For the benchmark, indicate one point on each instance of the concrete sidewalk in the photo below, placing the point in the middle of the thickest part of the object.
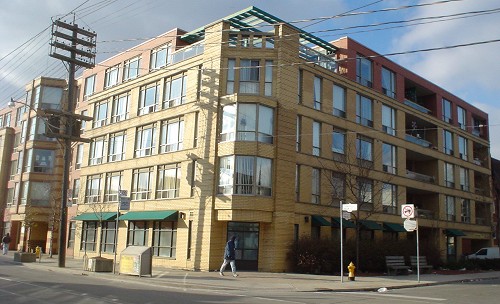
(263, 281)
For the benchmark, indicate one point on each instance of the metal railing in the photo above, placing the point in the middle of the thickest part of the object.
(420, 177)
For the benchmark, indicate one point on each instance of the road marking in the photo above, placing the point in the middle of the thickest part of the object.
(397, 296)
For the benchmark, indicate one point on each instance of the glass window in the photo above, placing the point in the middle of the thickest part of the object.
(446, 110)
(449, 176)
(462, 118)
(141, 183)
(450, 208)
(316, 138)
(144, 140)
(315, 186)
(365, 194)
(50, 99)
(96, 151)
(317, 92)
(245, 175)
(248, 122)
(160, 57)
(364, 71)
(89, 236)
(93, 191)
(148, 98)
(233, 40)
(71, 234)
(389, 158)
(137, 233)
(338, 188)
(113, 182)
(89, 86)
(116, 149)
(175, 91)
(447, 142)
(249, 76)
(364, 148)
(164, 239)
(364, 112)
(100, 114)
(338, 141)
(6, 120)
(389, 198)
(339, 101)
(388, 83)
(172, 135)
(108, 230)
(75, 191)
(388, 120)
(268, 83)
(39, 193)
(84, 122)
(43, 160)
(245, 41)
(79, 156)
(465, 211)
(297, 135)
(464, 179)
(120, 107)
(257, 41)
(131, 68)
(169, 180)
(231, 63)
(462, 147)
(111, 76)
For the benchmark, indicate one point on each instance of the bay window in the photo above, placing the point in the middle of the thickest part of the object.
(247, 122)
(248, 175)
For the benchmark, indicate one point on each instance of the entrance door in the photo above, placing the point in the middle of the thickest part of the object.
(247, 244)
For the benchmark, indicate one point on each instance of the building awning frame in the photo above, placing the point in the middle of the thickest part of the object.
(95, 216)
(154, 215)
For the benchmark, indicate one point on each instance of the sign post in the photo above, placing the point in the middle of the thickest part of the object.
(408, 212)
(344, 208)
(123, 204)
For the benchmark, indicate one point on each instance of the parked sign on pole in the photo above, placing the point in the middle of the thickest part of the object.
(408, 211)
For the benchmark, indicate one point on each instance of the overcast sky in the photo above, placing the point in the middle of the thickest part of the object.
(468, 72)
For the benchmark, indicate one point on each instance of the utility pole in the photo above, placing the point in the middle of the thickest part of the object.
(76, 46)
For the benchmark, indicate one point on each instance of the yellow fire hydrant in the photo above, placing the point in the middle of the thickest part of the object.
(38, 252)
(351, 269)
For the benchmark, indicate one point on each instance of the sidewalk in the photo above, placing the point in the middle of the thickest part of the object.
(264, 281)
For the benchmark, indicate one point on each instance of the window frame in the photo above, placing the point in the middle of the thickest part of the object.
(364, 105)
(160, 229)
(138, 175)
(163, 191)
(145, 145)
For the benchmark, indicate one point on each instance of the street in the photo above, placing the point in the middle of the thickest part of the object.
(20, 284)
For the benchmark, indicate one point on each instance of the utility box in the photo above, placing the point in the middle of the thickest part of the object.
(99, 264)
(136, 260)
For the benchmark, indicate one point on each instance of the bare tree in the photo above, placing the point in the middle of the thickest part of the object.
(353, 179)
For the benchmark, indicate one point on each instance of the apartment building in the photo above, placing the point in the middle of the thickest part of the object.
(249, 126)
(31, 162)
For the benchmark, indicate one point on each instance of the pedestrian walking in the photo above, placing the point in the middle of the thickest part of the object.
(229, 257)
(5, 243)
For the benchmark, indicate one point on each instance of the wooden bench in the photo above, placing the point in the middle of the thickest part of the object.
(396, 264)
(422, 263)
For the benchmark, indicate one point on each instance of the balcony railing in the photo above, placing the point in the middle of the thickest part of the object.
(317, 58)
(425, 214)
(418, 141)
(420, 177)
(188, 52)
(482, 221)
(416, 106)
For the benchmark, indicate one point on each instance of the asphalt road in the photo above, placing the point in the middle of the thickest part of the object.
(19, 284)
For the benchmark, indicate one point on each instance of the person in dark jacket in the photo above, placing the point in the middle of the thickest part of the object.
(5, 244)
(229, 257)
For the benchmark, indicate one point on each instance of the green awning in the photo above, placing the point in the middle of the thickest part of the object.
(371, 225)
(95, 216)
(345, 223)
(394, 227)
(160, 215)
(318, 220)
(454, 232)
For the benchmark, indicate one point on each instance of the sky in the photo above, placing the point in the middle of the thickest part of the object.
(469, 72)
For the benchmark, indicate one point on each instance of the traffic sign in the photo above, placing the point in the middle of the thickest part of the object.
(349, 207)
(408, 211)
(410, 225)
(346, 215)
(124, 203)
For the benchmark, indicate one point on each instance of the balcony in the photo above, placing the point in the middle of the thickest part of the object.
(425, 214)
(484, 221)
(188, 52)
(418, 141)
(316, 57)
(416, 106)
(420, 177)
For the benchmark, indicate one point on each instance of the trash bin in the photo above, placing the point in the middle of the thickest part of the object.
(136, 260)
